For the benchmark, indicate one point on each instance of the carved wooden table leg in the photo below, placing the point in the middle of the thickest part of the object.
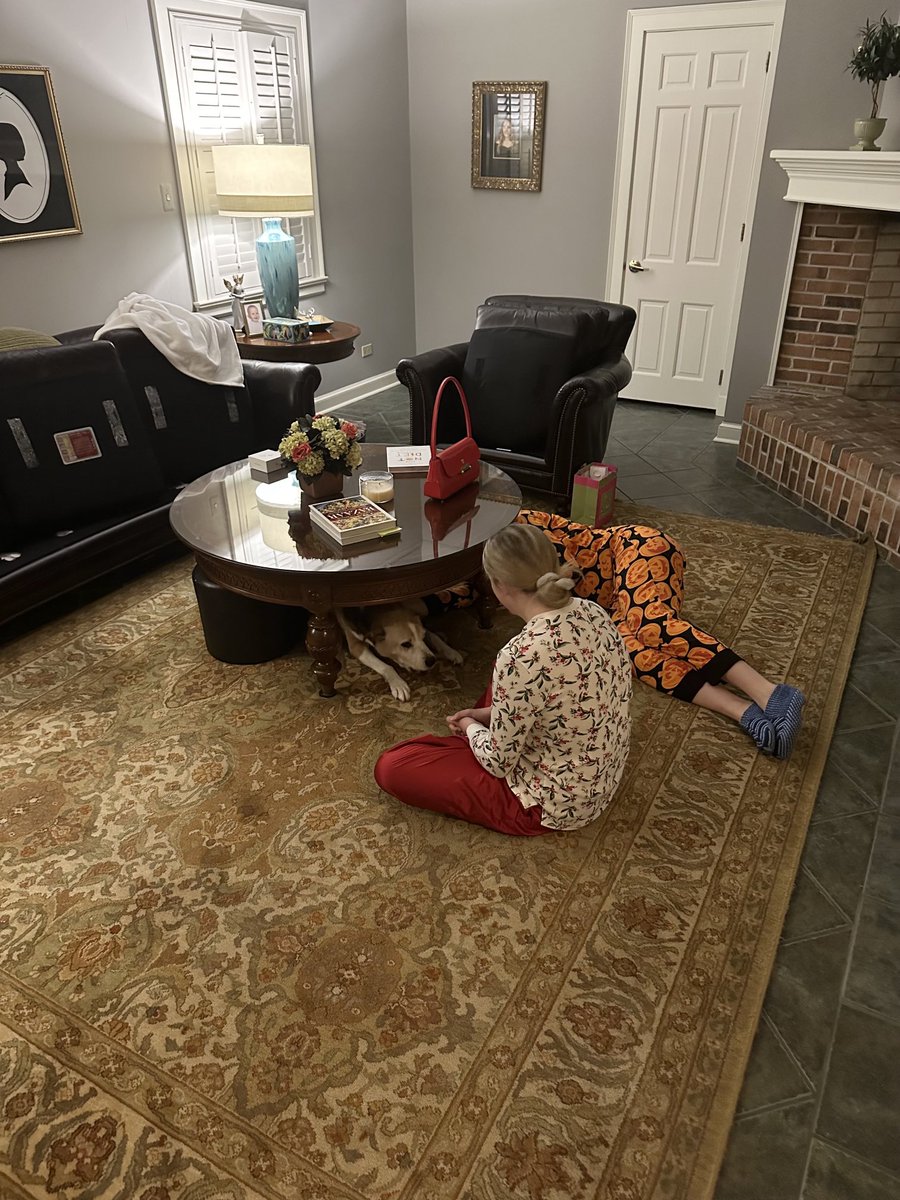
(323, 641)
(486, 604)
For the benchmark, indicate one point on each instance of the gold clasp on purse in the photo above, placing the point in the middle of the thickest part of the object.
(465, 467)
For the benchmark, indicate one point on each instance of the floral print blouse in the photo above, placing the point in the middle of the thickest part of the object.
(560, 724)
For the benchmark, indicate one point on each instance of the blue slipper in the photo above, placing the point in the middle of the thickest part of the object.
(760, 728)
(785, 711)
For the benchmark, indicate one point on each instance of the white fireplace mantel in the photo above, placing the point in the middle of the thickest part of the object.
(847, 178)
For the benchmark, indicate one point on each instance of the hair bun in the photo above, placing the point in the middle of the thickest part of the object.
(554, 577)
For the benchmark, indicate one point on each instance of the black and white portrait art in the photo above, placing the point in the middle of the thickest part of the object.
(36, 196)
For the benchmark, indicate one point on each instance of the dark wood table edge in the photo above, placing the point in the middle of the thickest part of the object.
(329, 345)
(321, 594)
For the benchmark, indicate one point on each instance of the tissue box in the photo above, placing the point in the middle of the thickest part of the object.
(267, 466)
(285, 329)
(593, 499)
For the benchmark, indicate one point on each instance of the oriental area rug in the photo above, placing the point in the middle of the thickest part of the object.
(232, 968)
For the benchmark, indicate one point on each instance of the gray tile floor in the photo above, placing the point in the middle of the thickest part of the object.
(818, 1115)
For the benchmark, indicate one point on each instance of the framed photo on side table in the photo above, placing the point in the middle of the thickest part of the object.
(36, 194)
(253, 313)
(508, 135)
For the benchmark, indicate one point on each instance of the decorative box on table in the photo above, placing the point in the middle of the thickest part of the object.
(594, 494)
(285, 329)
(267, 466)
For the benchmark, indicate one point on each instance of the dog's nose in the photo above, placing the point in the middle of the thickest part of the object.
(430, 660)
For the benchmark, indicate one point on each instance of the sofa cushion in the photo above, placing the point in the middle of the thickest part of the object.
(14, 338)
(586, 320)
(193, 426)
(511, 376)
(71, 442)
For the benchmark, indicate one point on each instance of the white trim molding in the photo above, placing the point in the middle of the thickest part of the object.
(329, 401)
(729, 433)
(847, 178)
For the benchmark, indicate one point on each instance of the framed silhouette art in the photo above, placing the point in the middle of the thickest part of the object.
(508, 135)
(36, 195)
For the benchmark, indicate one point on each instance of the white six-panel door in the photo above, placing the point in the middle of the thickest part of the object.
(695, 162)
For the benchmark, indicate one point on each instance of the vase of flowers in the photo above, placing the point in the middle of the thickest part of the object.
(876, 60)
(322, 450)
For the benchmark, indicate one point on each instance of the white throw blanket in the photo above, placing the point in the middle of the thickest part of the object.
(199, 346)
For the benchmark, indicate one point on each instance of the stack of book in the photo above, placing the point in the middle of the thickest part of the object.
(352, 519)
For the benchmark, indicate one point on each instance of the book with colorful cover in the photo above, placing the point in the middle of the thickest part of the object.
(352, 519)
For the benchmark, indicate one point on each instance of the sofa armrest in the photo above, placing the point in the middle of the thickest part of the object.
(583, 410)
(279, 394)
(422, 375)
(73, 336)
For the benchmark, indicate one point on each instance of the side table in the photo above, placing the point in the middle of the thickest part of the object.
(328, 345)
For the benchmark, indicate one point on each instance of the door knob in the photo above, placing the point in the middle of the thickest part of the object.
(635, 266)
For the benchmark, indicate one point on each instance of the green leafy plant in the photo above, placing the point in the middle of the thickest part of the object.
(877, 57)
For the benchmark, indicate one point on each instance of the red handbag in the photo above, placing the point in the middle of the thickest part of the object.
(452, 469)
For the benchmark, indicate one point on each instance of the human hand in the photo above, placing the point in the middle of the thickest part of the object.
(460, 721)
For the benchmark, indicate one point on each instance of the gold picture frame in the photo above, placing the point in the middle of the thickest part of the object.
(508, 134)
(36, 194)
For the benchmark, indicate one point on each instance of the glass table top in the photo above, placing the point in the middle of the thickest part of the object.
(218, 515)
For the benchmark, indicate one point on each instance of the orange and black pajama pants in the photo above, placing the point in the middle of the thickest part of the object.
(636, 573)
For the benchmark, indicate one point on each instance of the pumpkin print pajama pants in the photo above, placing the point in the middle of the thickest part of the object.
(636, 573)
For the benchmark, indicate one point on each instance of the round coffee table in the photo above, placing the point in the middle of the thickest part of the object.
(327, 345)
(253, 568)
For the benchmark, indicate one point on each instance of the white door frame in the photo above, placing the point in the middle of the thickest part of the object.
(639, 23)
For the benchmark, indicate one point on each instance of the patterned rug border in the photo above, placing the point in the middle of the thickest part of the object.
(711, 1152)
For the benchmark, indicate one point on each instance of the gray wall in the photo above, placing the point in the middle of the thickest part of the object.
(470, 242)
(104, 73)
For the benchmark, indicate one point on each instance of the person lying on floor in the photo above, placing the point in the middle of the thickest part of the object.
(636, 573)
(545, 746)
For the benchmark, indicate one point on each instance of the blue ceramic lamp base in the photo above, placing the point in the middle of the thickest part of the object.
(276, 254)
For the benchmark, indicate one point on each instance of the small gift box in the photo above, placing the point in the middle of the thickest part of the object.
(594, 494)
(285, 329)
(267, 466)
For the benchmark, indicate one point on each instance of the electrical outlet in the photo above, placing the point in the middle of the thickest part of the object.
(366, 350)
(168, 200)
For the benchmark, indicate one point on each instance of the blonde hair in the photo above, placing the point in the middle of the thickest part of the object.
(521, 556)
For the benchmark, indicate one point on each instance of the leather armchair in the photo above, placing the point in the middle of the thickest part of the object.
(541, 373)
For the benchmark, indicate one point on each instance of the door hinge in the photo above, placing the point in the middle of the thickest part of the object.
(768, 60)
(743, 229)
(721, 376)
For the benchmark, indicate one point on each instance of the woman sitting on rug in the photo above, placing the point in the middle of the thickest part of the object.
(545, 746)
(636, 573)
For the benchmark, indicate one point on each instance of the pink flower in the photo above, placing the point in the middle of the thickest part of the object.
(300, 451)
(349, 428)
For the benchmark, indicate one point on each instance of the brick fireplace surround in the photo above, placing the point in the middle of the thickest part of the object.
(826, 434)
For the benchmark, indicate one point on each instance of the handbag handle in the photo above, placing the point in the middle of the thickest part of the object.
(437, 405)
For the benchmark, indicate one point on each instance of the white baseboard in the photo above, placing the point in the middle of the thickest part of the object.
(729, 433)
(353, 392)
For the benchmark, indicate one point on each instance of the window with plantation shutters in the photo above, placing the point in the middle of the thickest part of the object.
(234, 73)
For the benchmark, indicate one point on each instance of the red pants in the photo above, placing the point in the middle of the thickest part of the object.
(443, 775)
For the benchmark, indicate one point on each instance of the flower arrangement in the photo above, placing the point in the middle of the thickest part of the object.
(314, 446)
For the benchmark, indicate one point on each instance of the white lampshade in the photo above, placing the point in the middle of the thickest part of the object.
(263, 181)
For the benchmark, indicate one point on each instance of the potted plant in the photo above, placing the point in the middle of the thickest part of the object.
(877, 58)
(321, 450)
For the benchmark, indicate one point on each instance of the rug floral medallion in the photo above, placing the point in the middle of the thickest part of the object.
(231, 967)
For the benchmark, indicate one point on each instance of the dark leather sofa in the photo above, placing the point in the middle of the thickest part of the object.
(77, 505)
(541, 374)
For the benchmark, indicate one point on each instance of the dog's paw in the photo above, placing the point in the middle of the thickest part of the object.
(399, 688)
(453, 656)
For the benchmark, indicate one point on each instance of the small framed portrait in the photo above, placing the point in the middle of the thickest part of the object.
(508, 135)
(253, 313)
(36, 194)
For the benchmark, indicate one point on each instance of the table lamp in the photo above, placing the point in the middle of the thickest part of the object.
(260, 181)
